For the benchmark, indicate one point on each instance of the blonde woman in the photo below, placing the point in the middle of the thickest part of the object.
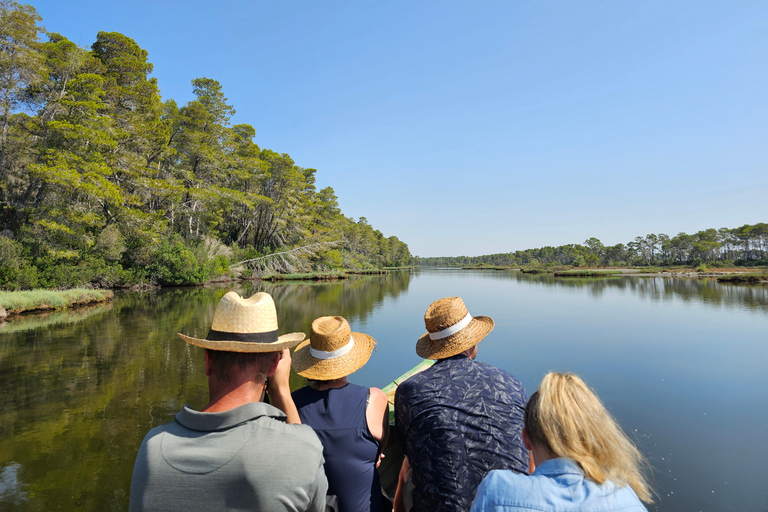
(583, 459)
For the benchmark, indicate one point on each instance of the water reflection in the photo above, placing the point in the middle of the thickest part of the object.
(10, 487)
(50, 319)
(704, 290)
(80, 389)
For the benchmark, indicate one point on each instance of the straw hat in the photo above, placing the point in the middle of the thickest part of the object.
(245, 325)
(332, 351)
(451, 329)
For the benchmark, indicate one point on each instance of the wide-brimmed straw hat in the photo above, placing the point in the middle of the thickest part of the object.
(245, 325)
(451, 329)
(332, 351)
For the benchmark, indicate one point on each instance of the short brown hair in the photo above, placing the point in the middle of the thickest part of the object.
(225, 365)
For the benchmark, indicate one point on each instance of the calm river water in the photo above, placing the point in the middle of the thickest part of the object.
(680, 362)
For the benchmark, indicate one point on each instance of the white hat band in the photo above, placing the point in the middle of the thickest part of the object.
(452, 329)
(322, 354)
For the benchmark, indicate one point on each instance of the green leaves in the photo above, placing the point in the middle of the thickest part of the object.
(104, 171)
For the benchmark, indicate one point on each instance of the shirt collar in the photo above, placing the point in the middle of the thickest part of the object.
(560, 466)
(212, 421)
(452, 358)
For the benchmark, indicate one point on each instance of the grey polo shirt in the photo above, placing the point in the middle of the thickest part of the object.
(247, 458)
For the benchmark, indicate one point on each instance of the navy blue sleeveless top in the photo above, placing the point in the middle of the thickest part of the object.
(350, 451)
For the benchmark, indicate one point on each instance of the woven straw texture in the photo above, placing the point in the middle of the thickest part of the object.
(444, 313)
(331, 333)
(256, 314)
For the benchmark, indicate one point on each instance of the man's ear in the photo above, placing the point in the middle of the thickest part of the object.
(208, 364)
(527, 440)
(275, 362)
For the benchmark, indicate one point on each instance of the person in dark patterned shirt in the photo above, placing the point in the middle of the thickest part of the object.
(460, 418)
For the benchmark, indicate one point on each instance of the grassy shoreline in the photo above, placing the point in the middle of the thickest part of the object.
(588, 273)
(751, 278)
(309, 276)
(14, 303)
(325, 276)
(485, 267)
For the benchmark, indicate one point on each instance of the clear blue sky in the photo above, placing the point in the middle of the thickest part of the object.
(485, 126)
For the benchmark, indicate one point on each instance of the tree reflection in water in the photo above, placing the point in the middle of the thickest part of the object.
(82, 388)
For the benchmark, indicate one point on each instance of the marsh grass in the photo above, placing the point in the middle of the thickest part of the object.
(310, 276)
(588, 273)
(31, 300)
(651, 270)
(490, 267)
(744, 278)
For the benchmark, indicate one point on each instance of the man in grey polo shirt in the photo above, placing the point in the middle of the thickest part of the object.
(238, 453)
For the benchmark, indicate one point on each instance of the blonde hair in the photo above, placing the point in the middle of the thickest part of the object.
(567, 418)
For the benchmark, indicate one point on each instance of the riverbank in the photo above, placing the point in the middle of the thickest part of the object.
(14, 303)
(486, 267)
(324, 276)
(309, 276)
(700, 271)
(751, 278)
(588, 273)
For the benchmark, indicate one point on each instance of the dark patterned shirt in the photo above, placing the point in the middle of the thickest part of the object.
(456, 421)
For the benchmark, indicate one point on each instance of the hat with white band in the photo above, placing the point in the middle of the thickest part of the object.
(451, 329)
(245, 325)
(332, 351)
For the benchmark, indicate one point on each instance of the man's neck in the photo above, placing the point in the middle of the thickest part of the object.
(226, 398)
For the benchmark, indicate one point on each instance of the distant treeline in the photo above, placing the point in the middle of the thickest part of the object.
(104, 183)
(747, 246)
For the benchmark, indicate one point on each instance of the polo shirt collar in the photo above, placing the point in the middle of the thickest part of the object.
(213, 421)
(559, 466)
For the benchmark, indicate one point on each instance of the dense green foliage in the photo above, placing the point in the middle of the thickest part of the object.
(104, 183)
(747, 245)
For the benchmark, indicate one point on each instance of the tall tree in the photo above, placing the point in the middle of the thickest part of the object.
(21, 62)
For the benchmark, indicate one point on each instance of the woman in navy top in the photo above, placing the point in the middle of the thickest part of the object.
(584, 461)
(351, 421)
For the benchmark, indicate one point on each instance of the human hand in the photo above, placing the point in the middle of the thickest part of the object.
(279, 388)
(280, 379)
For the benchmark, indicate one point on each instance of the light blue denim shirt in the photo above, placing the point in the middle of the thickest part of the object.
(557, 485)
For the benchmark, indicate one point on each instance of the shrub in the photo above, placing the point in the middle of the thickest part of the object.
(175, 264)
(16, 271)
(332, 259)
(218, 266)
(110, 244)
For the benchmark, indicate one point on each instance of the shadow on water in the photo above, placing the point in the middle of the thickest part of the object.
(82, 388)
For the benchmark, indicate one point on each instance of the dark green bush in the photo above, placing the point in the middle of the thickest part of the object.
(173, 263)
(16, 270)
